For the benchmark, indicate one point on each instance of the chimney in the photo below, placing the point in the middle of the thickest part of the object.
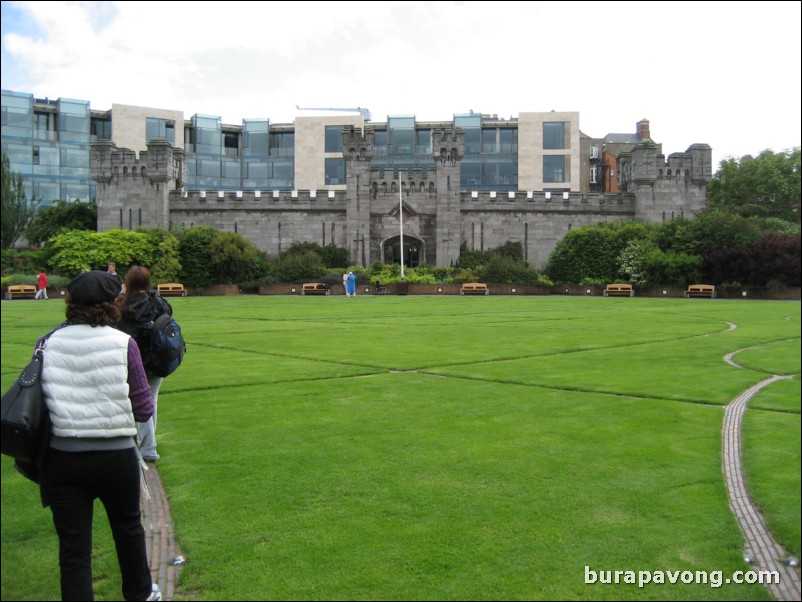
(643, 130)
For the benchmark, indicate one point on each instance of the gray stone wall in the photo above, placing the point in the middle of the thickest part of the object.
(146, 190)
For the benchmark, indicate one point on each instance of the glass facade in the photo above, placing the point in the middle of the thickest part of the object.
(491, 155)
(402, 146)
(47, 142)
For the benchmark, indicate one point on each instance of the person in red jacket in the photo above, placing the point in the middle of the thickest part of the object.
(41, 286)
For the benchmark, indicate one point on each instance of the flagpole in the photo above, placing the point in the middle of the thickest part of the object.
(401, 221)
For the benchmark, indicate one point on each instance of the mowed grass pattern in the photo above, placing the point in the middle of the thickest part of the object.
(415, 448)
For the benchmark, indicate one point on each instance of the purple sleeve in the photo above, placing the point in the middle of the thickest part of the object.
(138, 387)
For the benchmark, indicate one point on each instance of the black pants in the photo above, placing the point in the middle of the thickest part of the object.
(70, 484)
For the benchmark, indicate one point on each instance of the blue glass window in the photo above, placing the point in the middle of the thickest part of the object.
(334, 140)
(335, 171)
(554, 168)
(553, 135)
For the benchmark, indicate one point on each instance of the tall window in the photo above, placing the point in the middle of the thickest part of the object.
(282, 144)
(334, 139)
(423, 142)
(101, 129)
(553, 135)
(555, 168)
(335, 171)
(231, 144)
(255, 133)
(380, 143)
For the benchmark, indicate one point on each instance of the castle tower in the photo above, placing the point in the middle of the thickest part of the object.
(448, 148)
(358, 152)
(133, 191)
(665, 190)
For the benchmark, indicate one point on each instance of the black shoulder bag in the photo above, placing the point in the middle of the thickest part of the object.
(26, 419)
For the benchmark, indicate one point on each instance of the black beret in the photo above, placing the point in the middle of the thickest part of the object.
(91, 288)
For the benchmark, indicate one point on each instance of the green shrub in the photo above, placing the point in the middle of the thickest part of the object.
(299, 267)
(196, 256)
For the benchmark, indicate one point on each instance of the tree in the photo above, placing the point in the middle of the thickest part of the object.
(766, 186)
(61, 217)
(17, 210)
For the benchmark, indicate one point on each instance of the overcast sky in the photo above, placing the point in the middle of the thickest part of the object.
(726, 74)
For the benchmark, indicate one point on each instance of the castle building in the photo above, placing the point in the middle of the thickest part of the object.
(335, 177)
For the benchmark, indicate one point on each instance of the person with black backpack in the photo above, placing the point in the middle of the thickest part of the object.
(140, 308)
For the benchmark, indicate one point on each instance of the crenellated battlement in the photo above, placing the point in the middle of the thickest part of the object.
(600, 202)
(644, 165)
(160, 163)
(448, 145)
(258, 199)
(358, 143)
(412, 180)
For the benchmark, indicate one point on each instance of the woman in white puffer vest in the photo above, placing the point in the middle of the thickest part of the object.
(96, 391)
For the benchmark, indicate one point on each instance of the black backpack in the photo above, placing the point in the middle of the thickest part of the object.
(166, 345)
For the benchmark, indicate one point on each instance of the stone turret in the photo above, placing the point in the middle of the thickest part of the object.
(666, 190)
(134, 191)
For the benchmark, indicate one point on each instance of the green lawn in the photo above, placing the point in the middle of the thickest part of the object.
(418, 448)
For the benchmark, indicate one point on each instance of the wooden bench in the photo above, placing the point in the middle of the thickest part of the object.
(171, 289)
(701, 290)
(315, 288)
(619, 290)
(474, 288)
(20, 291)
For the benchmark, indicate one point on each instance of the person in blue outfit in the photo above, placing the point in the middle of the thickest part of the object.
(96, 390)
(351, 290)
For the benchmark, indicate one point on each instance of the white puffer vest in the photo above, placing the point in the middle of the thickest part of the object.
(85, 382)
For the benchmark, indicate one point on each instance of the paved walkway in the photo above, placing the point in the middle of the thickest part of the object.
(765, 552)
(165, 557)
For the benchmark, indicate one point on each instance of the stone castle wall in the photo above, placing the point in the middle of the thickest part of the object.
(438, 217)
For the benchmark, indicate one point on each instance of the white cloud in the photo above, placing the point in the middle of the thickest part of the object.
(700, 73)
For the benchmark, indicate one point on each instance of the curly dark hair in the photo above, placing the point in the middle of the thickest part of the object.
(106, 313)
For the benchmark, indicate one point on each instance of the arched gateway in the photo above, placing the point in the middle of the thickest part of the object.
(414, 251)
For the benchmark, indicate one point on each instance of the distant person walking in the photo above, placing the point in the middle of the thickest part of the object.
(41, 286)
(351, 290)
(345, 283)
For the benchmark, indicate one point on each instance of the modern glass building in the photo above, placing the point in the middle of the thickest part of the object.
(48, 143)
